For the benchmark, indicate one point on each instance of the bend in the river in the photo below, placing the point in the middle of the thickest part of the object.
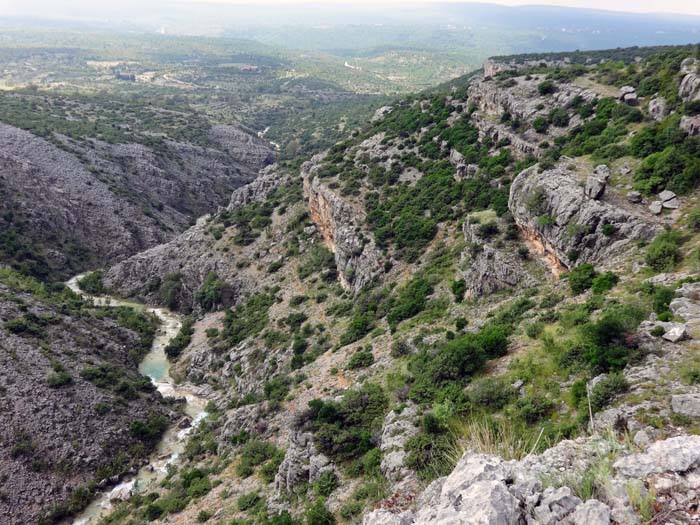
(156, 366)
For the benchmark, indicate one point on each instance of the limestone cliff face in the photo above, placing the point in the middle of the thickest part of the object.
(487, 269)
(568, 228)
(339, 223)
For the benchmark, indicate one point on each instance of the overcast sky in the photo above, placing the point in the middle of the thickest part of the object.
(54, 7)
(644, 6)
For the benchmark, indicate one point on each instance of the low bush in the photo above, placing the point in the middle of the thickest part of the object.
(663, 253)
(610, 342)
(604, 283)
(318, 514)
(211, 294)
(410, 300)
(92, 283)
(361, 359)
(492, 393)
(606, 389)
(581, 278)
(343, 430)
(170, 289)
(533, 408)
(181, 341)
(253, 454)
(326, 483)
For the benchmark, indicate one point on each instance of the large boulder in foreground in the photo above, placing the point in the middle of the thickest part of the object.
(567, 227)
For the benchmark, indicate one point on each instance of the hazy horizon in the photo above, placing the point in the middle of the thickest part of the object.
(68, 8)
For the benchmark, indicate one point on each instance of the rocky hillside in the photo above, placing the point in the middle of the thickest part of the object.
(478, 308)
(71, 204)
(76, 414)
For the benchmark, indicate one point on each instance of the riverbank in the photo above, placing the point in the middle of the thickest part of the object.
(155, 366)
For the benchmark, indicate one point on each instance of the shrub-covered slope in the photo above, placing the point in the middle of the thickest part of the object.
(477, 269)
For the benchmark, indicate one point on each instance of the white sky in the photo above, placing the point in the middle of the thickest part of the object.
(638, 6)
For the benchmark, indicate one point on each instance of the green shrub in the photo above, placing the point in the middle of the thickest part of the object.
(546, 87)
(150, 430)
(211, 294)
(534, 330)
(604, 283)
(360, 325)
(181, 341)
(663, 253)
(559, 117)
(606, 389)
(269, 469)
(248, 319)
(326, 483)
(488, 230)
(343, 430)
(581, 278)
(545, 220)
(400, 348)
(195, 483)
(534, 408)
(661, 298)
(92, 283)
(491, 392)
(318, 514)
(319, 258)
(361, 359)
(170, 289)
(410, 300)
(58, 379)
(276, 389)
(456, 360)
(657, 331)
(249, 502)
(429, 455)
(609, 342)
(693, 219)
(608, 230)
(351, 508)
(254, 453)
(459, 287)
(540, 125)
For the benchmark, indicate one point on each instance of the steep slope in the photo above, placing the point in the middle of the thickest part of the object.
(475, 274)
(72, 204)
(75, 411)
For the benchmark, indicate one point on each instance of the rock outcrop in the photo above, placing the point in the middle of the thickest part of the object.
(485, 490)
(658, 108)
(689, 89)
(358, 260)
(268, 180)
(691, 125)
(302, 463)
(565, 225)
(522, 101)
(397, 429)
(487, 269)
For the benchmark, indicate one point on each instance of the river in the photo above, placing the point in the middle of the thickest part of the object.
(156, 366)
